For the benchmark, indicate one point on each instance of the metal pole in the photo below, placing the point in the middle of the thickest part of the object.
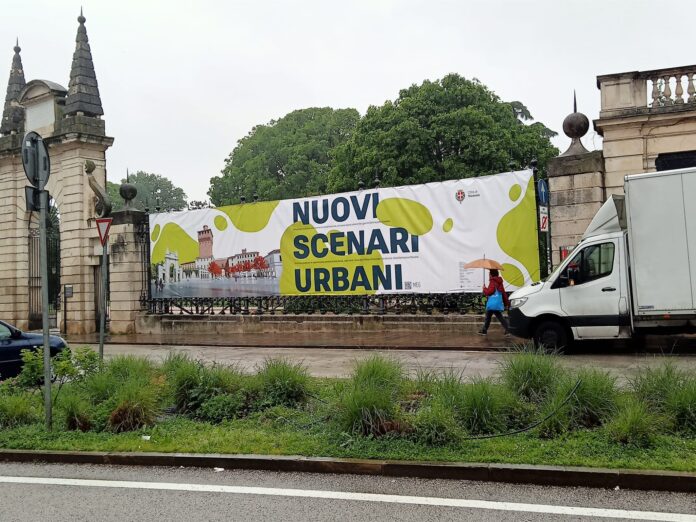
(102, 320)
(535, 174)
(43, 257)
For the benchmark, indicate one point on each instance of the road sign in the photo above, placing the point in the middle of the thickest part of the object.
(543, 191)
(103, 226)
(543, 219)
(32, 195)
(35, 159)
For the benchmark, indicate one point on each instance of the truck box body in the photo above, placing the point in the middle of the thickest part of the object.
(661, 214)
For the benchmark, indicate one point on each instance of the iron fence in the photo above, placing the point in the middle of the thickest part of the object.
(383, 304)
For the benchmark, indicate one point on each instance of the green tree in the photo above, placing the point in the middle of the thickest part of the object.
(445, 129)
(287, 158)
(153, 190)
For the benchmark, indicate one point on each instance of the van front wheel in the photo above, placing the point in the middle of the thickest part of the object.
(552, 335)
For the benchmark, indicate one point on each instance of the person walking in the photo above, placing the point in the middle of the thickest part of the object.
(496, 303)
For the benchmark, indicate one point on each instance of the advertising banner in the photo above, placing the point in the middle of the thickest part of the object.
(389, 240)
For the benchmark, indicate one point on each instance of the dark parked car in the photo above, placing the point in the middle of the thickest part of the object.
(13, 341)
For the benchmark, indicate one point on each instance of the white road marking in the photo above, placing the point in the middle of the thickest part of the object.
(361, 497)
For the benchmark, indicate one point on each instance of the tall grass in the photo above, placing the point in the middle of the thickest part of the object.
(368, 404)
(680, 406)
(283, 383)
(136, 407)
(129, 367)
(532, 376)
(583, 400)
(634, 424)
(17, 410)
(654, 385)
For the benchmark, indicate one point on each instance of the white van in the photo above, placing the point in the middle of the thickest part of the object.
(634, 271)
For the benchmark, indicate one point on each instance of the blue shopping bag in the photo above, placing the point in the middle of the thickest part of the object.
(495, 302)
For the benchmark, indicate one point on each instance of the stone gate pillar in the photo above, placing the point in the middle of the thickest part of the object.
(127, 275)
(576, 186)
(70, 121)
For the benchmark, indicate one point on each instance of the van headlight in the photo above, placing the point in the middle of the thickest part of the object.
(516, 303)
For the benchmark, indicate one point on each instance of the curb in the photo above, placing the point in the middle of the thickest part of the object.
(509, 473)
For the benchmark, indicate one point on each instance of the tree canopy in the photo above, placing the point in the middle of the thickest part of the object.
(154, 190)
(286, 158)
(446, 129)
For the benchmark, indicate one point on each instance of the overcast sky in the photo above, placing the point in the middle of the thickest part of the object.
(182, 81)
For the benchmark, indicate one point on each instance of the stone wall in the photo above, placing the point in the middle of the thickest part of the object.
(576, 186)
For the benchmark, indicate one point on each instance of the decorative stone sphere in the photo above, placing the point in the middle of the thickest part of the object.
(576, 125)
(128, 192)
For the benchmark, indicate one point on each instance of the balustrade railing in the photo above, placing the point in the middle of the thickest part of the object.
(670, 89)
(667, 88)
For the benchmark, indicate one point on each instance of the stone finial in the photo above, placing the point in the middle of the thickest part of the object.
(83, 89)
(575, 126)
(128, 191)
(13, 114)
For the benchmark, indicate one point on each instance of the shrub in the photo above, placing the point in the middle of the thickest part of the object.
(681, 406)
(633, 424)
(434, 425)
(222, 407)
(654, 385)
(136, 407)
(531, 376)
(16, 410)
(283, 383)
(77, 413)
(379, 371)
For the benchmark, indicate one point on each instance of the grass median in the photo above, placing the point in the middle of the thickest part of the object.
(534, 412)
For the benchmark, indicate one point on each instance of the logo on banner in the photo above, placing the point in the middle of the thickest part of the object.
(460, 195)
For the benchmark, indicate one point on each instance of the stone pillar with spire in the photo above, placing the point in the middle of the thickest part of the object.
(576, 187)
(80, 141)
(14, 301)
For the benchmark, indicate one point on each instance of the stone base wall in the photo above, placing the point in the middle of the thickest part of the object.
(193, 325)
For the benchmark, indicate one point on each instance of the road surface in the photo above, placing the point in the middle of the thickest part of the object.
(31, 492)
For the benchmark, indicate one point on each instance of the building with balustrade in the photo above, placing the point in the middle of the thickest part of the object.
(647, 121)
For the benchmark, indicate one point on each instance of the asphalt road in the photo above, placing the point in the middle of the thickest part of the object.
(33, 492)
(338, 362)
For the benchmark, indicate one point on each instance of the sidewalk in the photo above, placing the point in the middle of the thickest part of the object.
(339, 362)
(375, 339)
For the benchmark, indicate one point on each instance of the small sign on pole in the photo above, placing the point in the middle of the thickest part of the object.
(543, 219)
(103, 226)
(543, 191)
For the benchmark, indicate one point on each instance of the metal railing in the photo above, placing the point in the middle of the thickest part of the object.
(383, 304)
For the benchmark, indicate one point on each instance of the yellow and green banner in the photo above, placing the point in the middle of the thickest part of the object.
(407, 239)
